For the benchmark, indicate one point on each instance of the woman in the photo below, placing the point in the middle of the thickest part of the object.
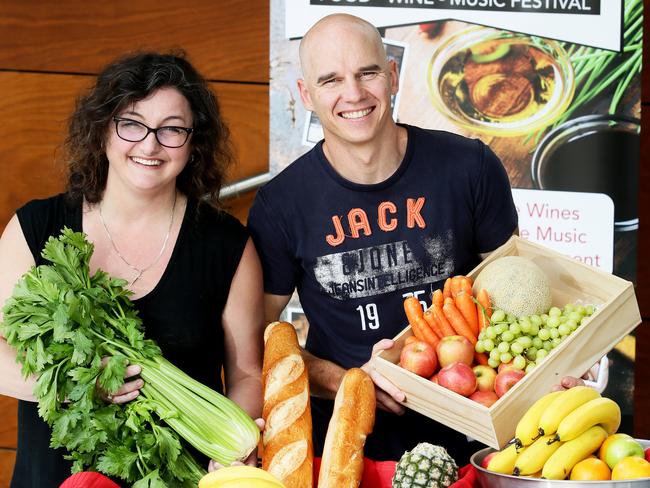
(147, 150)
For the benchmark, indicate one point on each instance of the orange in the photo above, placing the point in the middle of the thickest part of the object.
(631, 468)
(591, 469)
(610, 439)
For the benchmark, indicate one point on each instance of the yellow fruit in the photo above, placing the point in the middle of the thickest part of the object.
(591, 469)
(608, 441)
(504, 460)
(239, 476)
(631, 468)
(562, 461)
(528, 426)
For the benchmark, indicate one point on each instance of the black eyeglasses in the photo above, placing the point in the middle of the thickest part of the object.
(168, 136)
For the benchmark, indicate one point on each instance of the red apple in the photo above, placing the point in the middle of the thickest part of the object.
(455, 349)
(434, 378)
(486, 398)
(505, 366)
(506, 379)
(486, 459)
(420, 358)
(458, 377)
(485, 376)
(647, 454)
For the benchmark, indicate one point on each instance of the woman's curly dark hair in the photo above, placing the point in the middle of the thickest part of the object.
(129, 80)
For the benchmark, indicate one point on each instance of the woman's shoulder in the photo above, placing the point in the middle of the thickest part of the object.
(44, 217)
(39, 205)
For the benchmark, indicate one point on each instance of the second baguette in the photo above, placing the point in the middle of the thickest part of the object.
(352, 420)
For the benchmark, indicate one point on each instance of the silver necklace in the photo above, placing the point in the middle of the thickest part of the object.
(139, 271)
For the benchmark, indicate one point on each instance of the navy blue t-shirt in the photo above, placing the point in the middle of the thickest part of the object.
(354, 251)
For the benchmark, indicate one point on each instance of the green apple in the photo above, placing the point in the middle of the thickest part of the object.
(622, 447)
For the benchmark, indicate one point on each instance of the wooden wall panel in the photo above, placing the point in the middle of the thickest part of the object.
(7, 459)
(8, 408)
(32, 121)
(33, 113)
(246, 110)
(227, 40)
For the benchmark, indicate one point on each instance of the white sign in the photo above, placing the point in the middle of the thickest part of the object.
(579, 225)
(586, 22)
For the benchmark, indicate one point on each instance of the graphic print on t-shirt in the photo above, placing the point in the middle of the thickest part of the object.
(383, 268)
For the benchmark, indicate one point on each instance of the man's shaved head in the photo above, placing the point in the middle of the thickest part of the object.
(329, 29)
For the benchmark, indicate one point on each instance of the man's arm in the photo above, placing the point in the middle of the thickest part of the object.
(324, 376)
(484, 255)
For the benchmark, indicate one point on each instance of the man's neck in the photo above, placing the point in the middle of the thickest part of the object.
(368, 163)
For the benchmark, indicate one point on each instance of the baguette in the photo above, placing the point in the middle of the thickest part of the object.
(287, 443)
(352, 420)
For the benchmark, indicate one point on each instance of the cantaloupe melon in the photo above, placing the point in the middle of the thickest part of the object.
(516, 285)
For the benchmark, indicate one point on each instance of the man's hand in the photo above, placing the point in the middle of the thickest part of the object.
(388, 395)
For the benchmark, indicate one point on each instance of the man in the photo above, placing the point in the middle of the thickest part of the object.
(376, 212)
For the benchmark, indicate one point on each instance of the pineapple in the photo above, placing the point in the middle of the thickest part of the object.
(427, 466)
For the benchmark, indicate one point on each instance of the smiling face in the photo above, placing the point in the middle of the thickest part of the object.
(147, 165)
(348, 80)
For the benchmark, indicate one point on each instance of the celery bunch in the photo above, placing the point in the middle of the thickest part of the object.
(62, 321)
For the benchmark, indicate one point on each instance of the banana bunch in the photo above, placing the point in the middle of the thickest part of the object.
(561, 462)
(558, 430)
(544, 417)
(239, 477)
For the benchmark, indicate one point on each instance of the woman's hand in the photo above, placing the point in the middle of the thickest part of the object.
(251, 460)
(130, 390)
(568, 382)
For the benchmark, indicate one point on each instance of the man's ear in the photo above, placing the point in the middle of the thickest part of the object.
(394, 76)
(304, 94)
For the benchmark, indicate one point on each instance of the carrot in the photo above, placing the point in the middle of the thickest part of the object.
(445, 326)
(457, 321)
(455, 285)
(481, 358)
(467, 308)
(437, 298)
(446, 290)
(433, 323)
(425, 332)
(483, 308)
(466, 286)
(413, 309)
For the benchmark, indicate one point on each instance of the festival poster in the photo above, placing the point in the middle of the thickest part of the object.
(552, 86)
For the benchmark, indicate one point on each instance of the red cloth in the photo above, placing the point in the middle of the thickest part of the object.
(376, 474)
(467, 478)
(88, 479)
(379, 474)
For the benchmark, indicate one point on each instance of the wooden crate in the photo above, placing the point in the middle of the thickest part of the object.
(617, 315)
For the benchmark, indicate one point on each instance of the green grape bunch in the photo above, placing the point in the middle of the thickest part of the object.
(526, 341)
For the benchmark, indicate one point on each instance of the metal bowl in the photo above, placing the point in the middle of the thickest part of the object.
(488, 479)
